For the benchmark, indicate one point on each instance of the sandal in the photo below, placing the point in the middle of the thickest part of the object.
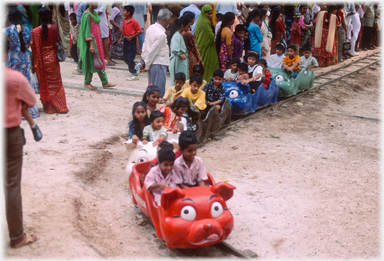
(90, 86)
(110, 64)
(109, 85)
(28, 239)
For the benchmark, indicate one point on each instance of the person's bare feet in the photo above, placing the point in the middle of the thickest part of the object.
(28, 239)
(109, 85)
(90, 86)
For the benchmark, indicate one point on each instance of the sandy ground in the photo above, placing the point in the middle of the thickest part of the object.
(313, 192)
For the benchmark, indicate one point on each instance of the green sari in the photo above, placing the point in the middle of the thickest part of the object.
(205, 40)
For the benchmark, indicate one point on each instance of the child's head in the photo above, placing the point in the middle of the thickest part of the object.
(234, 63)
(307, 51)
(218, 76)
(156, 119)
(72, 17)
(291, 50)
(198, 68)
(296, 17)
(180, 106)
(219, 17)
(139, 111)
(128, 11)
(246, 34)
(303, 8)
(179, 80)
(280, 48)
(188, 145)
(152, 95)
(243, 68)
(263, 63)
(195, 82)
(240, 31)
(164, 145)
(166, 159)
(252, 58)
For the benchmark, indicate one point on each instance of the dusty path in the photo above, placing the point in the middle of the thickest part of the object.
(312, 192)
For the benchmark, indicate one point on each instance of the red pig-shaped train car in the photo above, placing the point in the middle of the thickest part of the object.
(187, 218)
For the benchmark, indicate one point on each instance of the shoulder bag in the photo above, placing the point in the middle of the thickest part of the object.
(59, 47)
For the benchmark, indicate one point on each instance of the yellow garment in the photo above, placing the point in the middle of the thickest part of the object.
(288, 61)
(171, 94)
(197, 99)
(227, 35)
(186, 85)
(214, 13)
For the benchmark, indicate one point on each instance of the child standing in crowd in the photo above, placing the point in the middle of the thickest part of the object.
(292, 61)
(296, 32)
(255, 72)
(189, 167)
(139, 121)
(199, 69)
(276, 60)
(266, 73)
(214, 90)
(243, 72)
(162, 176)
(131, 29)
(307, 61)
(74, 31)
(219, 19)
(238, 41)
(195, 96)
(151, 98)
(232, 73)
(155, 132)
(173, 114)
(175, 91)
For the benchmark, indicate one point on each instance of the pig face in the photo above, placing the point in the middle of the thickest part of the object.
(197, 216)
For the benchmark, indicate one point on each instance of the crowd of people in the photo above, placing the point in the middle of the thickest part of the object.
(199, 45)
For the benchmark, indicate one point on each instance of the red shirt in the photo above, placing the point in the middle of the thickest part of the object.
(296, 37)
(18, 90)
(131, 27)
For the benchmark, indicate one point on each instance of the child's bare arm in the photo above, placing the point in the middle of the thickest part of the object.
(182, 186)
(201, 183)
(160, 185)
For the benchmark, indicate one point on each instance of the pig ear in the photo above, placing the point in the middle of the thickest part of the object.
(129, 147)
(169, 195)
(223, 189)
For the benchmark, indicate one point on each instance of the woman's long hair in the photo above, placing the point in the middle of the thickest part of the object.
(272, 23)
(138, 130)
(14, 16)
(184, 20)
(331, 8)
(45, 19)
(228, 17)
(150, 90)
(251, 16)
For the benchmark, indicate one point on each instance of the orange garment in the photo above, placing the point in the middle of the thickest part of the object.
(290, 62)
(171, 120)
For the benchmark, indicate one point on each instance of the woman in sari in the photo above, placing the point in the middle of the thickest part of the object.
(46, 65)
(190, 42)
(224, 41)
(205, 40)
(325, 45)
(116, 50)
(19, 58)
(277, 29)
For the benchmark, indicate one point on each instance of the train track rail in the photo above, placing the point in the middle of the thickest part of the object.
(326, 78)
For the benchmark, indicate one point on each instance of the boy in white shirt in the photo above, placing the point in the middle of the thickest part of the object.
(276, 60)
(231, 74)
(307, 61)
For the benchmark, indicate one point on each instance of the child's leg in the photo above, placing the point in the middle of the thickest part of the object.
(131, 56)
(27, 115)
(125, 50)
(74, 53)
(217, 107)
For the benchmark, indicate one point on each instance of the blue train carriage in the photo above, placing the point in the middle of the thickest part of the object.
(289, 86)
(243, 102)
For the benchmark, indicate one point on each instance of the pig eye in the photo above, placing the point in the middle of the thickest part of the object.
(188, 213)
(216, 209)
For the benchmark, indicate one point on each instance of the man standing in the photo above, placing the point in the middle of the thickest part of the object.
(368, 21)
(18, 91)
(156, 52)
(194, 9)
(104, 28)
(140, 15)
(91, 48)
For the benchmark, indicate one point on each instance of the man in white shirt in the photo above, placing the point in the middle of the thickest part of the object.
(155, 51)
(104, 28)
(194, 9)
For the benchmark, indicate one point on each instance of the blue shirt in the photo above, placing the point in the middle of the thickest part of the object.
(193, 9)
(80, 11)
(255, 38)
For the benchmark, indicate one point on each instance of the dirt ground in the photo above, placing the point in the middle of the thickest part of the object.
(311, 191)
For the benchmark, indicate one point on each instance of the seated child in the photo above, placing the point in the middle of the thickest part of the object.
(195, 96)
(155, 132)
(189, 167)
(292, 61)
(162, 176)
(214, 90)
(231, 74)
(173, 114)
(243, 72)
(151, 98)
(173, 92)
(307, 61)
(255, 71)
(266, 73)
(199, 69)
(139, 121)
(276, 60)
(238, 41)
